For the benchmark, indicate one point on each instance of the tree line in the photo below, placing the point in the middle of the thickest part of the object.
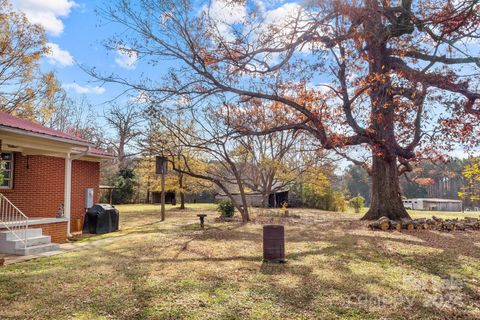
(399, 84)
(454, 178)
(399, 80)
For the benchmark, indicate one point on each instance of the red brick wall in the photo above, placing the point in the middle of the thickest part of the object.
(38, 185)
(85, 174)
(58, 231)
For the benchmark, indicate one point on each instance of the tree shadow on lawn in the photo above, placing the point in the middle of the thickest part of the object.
(309, 294)
(360, 292)
(455, 243)
(310, 289)
(343, 248)
(330, 272)
(444, 253)
(145, 229)
(299, 298)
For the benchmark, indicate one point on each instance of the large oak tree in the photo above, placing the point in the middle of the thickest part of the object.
(396, 78)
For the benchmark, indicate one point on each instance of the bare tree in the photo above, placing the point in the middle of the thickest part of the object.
(271, 163)
(158, 140)
(76, 117)
(125, 122)
(207, 152)
(399, 77)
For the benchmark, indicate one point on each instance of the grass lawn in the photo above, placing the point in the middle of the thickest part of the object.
(336, 269)
(140, 214)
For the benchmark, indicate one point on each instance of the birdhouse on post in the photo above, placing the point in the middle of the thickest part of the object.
(160, 165)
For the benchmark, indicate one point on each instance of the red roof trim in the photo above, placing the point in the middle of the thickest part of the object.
(10, 121)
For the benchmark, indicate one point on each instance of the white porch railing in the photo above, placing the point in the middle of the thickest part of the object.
(13, 219)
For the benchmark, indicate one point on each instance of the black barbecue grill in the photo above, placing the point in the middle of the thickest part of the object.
(101, 218)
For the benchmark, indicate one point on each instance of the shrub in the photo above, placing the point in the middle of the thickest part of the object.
(124, 187)
(325, 198)
(226, 208)
(357, 203)
(339, 202)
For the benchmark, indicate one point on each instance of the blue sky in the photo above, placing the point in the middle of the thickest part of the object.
(75, 34)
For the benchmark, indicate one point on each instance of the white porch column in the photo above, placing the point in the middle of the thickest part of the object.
(68, 190)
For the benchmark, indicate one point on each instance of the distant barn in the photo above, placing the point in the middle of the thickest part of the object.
(254, 199)
(433, 204)
(170, 197)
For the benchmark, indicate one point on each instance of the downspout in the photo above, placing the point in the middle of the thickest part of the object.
(68, 190)
(68, 185)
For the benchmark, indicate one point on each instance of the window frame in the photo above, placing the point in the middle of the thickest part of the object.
(12, 163)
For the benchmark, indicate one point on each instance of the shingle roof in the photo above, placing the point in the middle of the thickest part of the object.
(7, 120)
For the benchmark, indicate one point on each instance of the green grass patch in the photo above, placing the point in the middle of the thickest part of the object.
(336, 269)
(142, 208)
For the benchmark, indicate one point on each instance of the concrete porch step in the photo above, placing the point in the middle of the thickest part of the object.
(37, 249)
(9, 236)
(36, 242)
(33, 241)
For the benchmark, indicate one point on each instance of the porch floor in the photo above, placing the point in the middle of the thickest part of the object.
(32, 221)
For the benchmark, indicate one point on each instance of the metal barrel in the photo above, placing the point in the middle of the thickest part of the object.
(273, 243)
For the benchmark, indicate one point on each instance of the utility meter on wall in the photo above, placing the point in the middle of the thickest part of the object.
(88, 198)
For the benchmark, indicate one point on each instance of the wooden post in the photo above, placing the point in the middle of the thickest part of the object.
(161, 168)
(162, 211)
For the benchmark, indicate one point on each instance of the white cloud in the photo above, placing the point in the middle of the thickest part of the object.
(282, 14)
(226, 13)
(126, 58)
(283, 20)
(58, 55)
(47, 13)
(83, 89)
(141, 98)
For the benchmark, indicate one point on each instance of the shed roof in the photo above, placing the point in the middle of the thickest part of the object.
(434, 200)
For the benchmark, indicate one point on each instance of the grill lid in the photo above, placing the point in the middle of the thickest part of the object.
(101, 207)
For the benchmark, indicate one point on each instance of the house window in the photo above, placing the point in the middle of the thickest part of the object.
(6, 167)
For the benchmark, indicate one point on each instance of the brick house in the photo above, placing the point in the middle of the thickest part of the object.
(46, 172)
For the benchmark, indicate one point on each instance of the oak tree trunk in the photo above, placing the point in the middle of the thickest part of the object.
(267, 190)
(182, 193)
(244, 207)
(265, 202)
(266, 197)
(182, 200)
(386, 195)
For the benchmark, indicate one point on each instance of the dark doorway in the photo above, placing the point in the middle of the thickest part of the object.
(275, 200)
(169, 197)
